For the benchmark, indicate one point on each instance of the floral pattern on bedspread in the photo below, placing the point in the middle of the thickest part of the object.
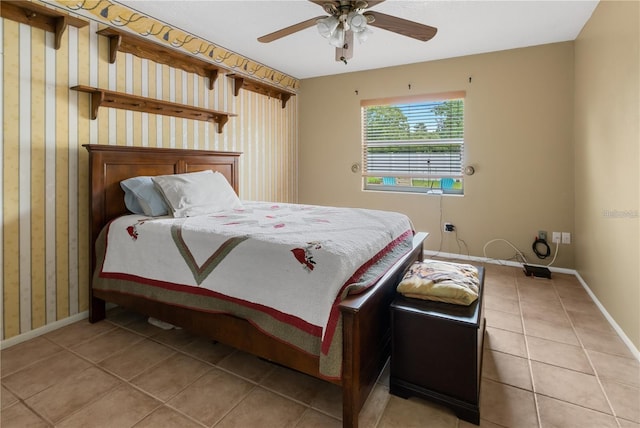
(283, 267)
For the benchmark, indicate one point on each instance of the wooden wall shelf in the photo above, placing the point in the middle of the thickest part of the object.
(106, 98)
(41, 17)
(253, 85)
(136, 45)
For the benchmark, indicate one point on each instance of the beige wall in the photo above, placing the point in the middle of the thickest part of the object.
(607, 158)
(44, 201)
(518, 135)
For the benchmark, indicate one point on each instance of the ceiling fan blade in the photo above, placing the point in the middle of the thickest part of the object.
(289, 30)
(371, 3)
(402, 26)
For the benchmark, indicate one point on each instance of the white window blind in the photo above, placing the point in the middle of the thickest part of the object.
(414, 144)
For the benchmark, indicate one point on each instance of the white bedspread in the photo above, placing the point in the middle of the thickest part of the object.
(290, 261)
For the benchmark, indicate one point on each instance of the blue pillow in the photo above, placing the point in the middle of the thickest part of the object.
(142, 197)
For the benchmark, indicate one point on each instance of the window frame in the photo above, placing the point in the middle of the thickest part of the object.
(395, 176)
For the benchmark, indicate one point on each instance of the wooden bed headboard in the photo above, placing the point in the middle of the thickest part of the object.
(109, 165)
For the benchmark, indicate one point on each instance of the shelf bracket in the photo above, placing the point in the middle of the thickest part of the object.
(42, 17)
(114, 47)
(61, 27)
(238, 82)
(284, 98)
(213, 75)
(222, 120)
(97, 98)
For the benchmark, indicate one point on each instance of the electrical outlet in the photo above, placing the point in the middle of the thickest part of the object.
(542, 234)
(556, 237)
(448, 227)
(566, 238)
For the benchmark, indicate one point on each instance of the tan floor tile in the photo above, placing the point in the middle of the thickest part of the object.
(373, 408)
(263, 408)
(559, 354)
(551, 331)
(624, 399)
(545, 310)
(566, 279)
(21, 355)
(414, 412)
(503, 320)
(104, 345)
(570, 386)
(560, 414)
(293, 384)
(507, 406)
(176, 338)
(536, 290)
(594, 321)
(247, 366)
(505, 341)
(72, 393)
(622, 370)
(314, 419)
(501, 288)
(170, 376)
(506, 368)
(572, 292)
(329, 400)
(19, 416)
(502, 304)
(604, 342)
(45, 373)
(142, 327)
(627, 424)
(78, 332)
(501, 271)
(580, 305)
(207, 350)
(124, 407)
(137, 358)
(483, 424)
(7, 398)
(211, 397)
(166, 418)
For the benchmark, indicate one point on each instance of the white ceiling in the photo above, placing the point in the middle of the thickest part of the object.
(464, 28)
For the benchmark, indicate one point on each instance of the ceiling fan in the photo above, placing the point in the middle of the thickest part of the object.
(347, 18)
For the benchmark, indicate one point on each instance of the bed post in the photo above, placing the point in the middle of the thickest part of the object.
(350, 370)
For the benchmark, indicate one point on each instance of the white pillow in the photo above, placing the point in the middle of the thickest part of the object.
(197, 193)
(142, 197)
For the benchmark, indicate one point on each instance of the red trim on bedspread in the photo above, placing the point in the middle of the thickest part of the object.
(278, 315)
(335, 309)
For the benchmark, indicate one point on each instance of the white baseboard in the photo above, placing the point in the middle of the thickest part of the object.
(42, 330)
(609, 318)
(47, 328)
(614, 325)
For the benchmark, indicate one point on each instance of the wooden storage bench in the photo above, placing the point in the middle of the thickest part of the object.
(436, 352)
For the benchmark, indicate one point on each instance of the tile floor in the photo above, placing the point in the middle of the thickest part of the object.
(550, 360)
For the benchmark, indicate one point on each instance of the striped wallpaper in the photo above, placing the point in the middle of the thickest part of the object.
(44, 203)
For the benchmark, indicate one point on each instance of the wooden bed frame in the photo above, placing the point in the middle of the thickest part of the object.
(365, 317)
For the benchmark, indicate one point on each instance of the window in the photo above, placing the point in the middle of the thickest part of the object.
(414, 144)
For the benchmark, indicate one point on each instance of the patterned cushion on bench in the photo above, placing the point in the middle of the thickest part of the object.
(441, 281)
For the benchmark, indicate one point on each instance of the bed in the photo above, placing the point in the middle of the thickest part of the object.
(364, 318)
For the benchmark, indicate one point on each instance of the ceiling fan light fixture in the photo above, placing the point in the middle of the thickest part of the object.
(337, 38)
(357, 22)
(327, 26)
(363, 35)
